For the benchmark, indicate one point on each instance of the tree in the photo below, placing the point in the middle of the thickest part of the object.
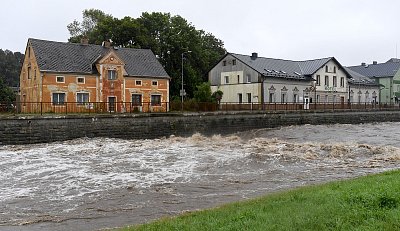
(10, 67)
(167, 36)
(203, 93)
(7, 95)
(91, 18)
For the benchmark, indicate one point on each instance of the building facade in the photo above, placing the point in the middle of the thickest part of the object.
(58, 76)
(253, 79)
(387, 75)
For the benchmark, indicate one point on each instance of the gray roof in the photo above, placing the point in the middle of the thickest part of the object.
(78, 58)
(301, 70)
(357, 78)
(388, 69)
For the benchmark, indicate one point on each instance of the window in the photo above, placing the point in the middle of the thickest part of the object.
(29, 72)
(248, 80)
(283, 97)
(342, 81)
(80, 80)
(271, 97)
(138, 82)
(155, 100)
(234, 62)
(240, 98)
(226, 79)
(238, 78)
(112, 74)
(326, 69)
(224, 63)
(136, 100)
(60, 79)
(248, 97)
(58, 98)
(294, 98)
(334, 69)
(334, 81)
(154, 83)
(318, 80)
(82, 98)
(326, 80)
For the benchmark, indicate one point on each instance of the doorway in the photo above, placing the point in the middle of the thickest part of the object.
(111, 103)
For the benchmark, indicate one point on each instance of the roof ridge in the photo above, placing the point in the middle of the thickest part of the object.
(283, 59)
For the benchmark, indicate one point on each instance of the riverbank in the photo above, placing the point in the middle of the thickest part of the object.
(366, 203)
(29, 129)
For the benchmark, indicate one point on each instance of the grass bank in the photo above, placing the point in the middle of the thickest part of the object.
(366, 203)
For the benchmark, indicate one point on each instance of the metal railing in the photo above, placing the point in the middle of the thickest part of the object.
(149, 107)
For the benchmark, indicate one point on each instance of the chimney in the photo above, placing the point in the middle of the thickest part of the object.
(363, 64)
(106, 44)
(374, 62)
(254, 55)
(84, 41)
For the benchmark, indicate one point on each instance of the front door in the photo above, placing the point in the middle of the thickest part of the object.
(111, 103)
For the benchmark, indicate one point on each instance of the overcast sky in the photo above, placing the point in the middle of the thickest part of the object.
(352, 31)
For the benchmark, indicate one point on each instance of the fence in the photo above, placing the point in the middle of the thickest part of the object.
(148, 107)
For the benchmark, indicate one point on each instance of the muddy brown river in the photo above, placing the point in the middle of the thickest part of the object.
(93, 184)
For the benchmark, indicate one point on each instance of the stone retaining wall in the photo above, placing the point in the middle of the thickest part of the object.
(36, 129)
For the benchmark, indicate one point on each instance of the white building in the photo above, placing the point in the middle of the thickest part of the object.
(253, 79)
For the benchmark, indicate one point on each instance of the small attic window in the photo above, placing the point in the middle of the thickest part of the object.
(224, 63)
(80, 80)
(234, 62)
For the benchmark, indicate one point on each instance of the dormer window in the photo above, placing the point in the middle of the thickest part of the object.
(112, 74)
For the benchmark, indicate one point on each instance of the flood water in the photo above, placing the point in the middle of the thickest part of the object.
(92, 184)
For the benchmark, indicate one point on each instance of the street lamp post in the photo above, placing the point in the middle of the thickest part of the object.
(182, 90)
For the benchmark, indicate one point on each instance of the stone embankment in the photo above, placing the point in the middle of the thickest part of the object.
(20, 129)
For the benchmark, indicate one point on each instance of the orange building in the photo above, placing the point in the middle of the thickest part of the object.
(70, 77)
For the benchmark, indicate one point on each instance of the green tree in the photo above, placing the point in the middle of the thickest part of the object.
(7, 95)
(167, 36)
(203, 93)
(10, 67)
(91, 18)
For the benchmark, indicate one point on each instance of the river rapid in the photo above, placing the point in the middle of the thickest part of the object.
(92, 184)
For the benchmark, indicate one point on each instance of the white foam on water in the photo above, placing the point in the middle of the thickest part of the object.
(63, 172)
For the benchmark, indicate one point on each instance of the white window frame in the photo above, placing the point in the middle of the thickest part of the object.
(81, 103)
(58, 99)
(248, 78)
(80, 77)
(226, 79)
(137, 80)
(60, 76)
(154, 81)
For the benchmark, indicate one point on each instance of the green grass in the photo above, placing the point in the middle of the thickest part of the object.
(366, 203)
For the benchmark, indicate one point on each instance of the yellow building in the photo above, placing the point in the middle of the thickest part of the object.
(69, 77)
